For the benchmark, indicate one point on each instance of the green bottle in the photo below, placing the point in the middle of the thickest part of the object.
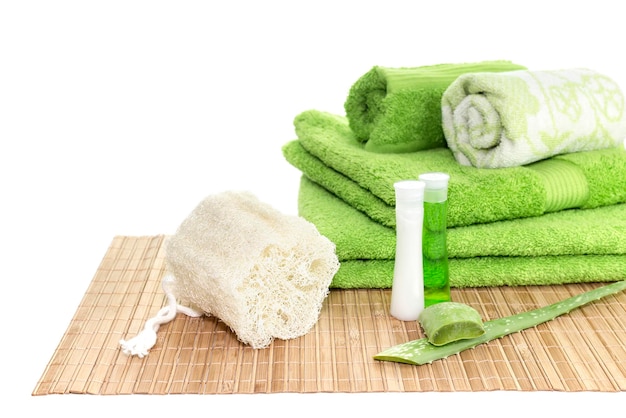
(434, 245)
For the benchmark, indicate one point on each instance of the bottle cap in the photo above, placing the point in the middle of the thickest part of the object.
(436, 185)
(435, 181)
(409, 190)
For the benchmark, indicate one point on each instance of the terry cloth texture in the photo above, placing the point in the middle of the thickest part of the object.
(571, 246)
(494, 120)
(399, 109)
(328, 153)
(263, 273)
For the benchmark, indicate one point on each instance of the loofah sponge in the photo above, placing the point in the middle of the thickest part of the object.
(263, 273)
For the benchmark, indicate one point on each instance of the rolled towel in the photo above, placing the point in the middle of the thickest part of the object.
(395, 110)
(508, 119)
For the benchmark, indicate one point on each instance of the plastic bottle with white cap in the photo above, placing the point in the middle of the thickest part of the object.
(434, 242)
(407, 292)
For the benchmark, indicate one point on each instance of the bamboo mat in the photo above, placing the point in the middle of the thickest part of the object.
(581, 351)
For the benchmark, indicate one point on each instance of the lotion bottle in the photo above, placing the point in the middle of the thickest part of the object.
(407, 292)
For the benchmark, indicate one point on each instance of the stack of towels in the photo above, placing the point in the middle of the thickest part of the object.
(537, 165)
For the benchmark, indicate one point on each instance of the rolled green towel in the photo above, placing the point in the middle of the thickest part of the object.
(399, 109)
(327, 152)
(508, 119)
(572, 246)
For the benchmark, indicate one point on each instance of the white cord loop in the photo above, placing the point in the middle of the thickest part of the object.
(146, 339)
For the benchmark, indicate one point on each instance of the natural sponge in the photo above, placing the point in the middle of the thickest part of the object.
(263, 273)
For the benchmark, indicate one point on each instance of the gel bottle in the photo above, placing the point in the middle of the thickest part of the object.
(434, 244)
(407, 291)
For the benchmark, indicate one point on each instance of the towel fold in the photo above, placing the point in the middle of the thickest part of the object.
(572, 246)
(328, 153)
(397, 110)
(507, 119)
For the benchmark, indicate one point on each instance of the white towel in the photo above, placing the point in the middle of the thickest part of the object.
(495, 120)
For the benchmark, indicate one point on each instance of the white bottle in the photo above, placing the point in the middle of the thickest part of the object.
(407, 292)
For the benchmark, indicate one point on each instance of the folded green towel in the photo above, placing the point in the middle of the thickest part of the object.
(328, 153)
(399, 109)
(572, 246)
(495, 120)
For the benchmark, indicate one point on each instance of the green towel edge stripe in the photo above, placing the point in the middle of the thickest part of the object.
(565, 184)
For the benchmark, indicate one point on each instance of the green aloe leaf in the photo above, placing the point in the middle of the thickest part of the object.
(420, 351)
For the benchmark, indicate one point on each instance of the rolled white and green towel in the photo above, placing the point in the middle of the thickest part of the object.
(513, 118)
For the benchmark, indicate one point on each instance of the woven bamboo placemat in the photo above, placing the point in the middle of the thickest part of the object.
(581, 351)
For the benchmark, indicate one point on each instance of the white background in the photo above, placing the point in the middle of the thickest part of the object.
(118, 117)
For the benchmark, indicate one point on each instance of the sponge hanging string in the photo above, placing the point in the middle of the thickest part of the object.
(146, 339)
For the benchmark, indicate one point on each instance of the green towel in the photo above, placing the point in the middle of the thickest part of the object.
(572, 246)
(508, 119)
(327, 152)
(399, 109)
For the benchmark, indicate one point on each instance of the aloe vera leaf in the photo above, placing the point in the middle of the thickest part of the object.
(420, 351)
